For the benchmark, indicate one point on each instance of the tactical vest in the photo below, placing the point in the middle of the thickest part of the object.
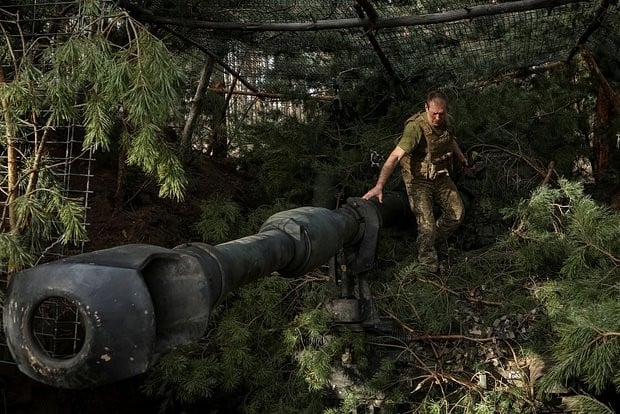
(432, 155)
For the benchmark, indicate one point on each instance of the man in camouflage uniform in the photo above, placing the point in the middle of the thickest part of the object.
(425, 152)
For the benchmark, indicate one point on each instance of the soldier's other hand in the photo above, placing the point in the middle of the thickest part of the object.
(472, 170)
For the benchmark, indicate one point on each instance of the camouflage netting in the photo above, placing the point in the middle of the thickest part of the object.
(301, 48)
(292, 45)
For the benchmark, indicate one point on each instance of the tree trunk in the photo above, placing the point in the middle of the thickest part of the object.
(38, 155)
(602, 133)
(121, 177)
(201, 90)
(12, 162)
(219, 144)
(607, 103)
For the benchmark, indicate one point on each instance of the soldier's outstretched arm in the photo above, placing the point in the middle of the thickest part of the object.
(386, 171)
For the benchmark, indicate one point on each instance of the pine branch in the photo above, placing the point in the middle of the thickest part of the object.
(605, 252)
(603, 335)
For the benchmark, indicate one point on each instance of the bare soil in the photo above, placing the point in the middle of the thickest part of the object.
(147, 218)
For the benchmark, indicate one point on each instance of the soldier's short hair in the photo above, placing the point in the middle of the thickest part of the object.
(436, 94)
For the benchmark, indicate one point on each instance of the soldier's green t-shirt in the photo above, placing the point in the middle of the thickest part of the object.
(412, 135)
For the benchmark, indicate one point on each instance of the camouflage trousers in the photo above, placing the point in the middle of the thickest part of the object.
(423, 195)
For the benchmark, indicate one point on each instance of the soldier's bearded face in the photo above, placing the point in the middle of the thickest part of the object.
(436, 112)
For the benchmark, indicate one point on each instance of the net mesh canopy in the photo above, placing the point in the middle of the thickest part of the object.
(281, 45)
(302, 46)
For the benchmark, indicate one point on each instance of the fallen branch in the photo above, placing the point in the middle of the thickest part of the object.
(524, 158)
(270, 95)
(425, 338)
(550, 170)
(455, 293)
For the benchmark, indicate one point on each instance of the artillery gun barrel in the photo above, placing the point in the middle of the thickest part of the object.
(134, 302)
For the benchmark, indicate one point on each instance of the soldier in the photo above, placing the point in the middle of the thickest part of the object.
(425, 151)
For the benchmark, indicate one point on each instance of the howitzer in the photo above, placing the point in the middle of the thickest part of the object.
(135, 302)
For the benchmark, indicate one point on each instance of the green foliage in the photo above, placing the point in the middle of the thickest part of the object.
(107, 76)
(125, 83)
(500, 401)
(549, 113)
(44, 216)
(242, 353)
(588, 348)
(419, 302)
(111, 77)
(585, 404)
(315, 366)
(281, 156)
(222, 219)
(314, 351)
(582, 298)
(14, 254)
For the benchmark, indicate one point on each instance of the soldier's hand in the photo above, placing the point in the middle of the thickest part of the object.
(374, 192)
